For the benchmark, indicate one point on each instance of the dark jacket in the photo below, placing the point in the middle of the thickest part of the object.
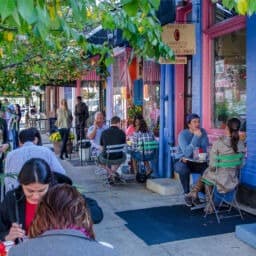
(3, 127)
(112, 136)
(12, 209)
(81, 114)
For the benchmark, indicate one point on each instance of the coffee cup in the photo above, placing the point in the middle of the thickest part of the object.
(202, 156)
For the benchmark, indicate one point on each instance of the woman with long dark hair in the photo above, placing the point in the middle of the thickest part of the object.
(226, 179)
(62, 226)
(141, 135)
(19, 205)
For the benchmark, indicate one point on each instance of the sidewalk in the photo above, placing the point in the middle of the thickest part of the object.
(135, 196)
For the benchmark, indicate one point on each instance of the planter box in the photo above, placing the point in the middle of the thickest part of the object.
(57, 147)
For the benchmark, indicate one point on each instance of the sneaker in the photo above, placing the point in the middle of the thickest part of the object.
(196, 201)
(188, 200)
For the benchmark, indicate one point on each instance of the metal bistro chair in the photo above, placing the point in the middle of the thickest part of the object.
(112, 149)
(229, 198)
(144, 147)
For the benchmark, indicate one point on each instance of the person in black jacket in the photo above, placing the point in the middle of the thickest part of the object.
(81, 116)
(19, 205)
(4, 141)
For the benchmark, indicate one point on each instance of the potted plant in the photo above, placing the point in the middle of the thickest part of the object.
(55, 138)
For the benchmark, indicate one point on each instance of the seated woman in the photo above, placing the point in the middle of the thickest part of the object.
(134, 126)
(62, 226)
(226, 179)
(141, 136)
(18, 208)
(19, 205)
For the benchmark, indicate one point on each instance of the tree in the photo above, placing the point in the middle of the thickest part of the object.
(48, 41)
(242, 7)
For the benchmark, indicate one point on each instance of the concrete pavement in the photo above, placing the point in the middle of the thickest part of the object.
(135, 196)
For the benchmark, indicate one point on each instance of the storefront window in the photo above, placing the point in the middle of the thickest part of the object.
(229, 77)
(120, 86)
(151, 110)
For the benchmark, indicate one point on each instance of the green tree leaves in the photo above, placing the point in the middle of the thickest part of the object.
(46, 40)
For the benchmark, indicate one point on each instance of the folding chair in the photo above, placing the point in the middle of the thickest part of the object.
(113, 164)
(147, 149)
(229, 198)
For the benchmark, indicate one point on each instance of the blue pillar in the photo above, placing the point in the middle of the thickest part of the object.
(166, 119)
(162, 122)
(249, 171)
(197, 60)
(109, 95)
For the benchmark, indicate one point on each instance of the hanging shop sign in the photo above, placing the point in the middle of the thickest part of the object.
(176, 61)
(180, 38)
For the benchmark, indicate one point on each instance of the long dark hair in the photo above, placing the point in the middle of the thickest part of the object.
(233, 125)
(62, 207)
(35, 170)
(143, 126)
(139, 117)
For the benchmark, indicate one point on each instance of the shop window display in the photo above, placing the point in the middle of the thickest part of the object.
(151, 110)
(229, 77)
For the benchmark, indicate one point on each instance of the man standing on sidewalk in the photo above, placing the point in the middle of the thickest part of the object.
(81, 116)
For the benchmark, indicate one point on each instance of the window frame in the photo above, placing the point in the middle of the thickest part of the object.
(212, 30)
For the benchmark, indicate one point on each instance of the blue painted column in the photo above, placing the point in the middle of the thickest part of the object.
(109, 94)
(166, 118)
(249, 171)
(197, 60)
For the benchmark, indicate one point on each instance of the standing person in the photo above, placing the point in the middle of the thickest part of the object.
(226, 179)
(190, 139)
(95, 131)
(15, 125)
(62, 226)
(4, 140)
(64, 123)
(81, 116)
(112, 136)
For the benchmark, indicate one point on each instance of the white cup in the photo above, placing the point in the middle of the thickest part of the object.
(202, 156)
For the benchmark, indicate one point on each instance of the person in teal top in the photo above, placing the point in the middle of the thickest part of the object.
(188, 140)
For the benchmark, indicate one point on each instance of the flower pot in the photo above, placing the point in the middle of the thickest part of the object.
(57, 147)
(69, 146)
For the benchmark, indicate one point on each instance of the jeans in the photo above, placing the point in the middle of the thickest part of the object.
(184, 170)
(64, 133)
(15, 141)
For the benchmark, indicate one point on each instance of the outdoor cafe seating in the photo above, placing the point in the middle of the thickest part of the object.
(229, 198)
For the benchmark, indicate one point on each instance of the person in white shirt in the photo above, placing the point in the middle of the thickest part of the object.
(28, 139)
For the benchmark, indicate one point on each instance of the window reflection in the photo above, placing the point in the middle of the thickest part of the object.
(229, 77)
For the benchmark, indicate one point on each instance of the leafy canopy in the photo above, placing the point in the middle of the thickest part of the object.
(47, 41)
(242, 7)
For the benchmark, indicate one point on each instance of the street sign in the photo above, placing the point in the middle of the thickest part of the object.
(180, 38)
(176, 61)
